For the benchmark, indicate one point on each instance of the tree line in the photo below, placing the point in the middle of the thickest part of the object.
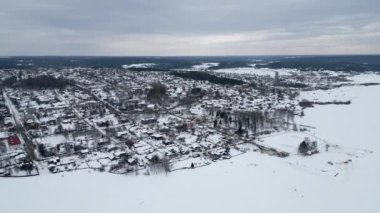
(38, 82)
(252, 121)
(203, 76)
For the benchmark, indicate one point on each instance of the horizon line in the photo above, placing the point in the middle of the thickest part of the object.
(145, 56)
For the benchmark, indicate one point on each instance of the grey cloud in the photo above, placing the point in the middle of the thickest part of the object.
(196, 27)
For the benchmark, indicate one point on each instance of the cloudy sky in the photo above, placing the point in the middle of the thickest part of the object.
(189, 27)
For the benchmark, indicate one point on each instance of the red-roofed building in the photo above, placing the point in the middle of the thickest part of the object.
(14, 140)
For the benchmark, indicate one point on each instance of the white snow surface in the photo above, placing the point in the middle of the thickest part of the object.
(251, 182)
(257, 71)
(142, 65)
(366, 78)
(342, 93)
(204, 66)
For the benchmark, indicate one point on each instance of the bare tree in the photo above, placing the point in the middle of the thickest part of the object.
(159, 165)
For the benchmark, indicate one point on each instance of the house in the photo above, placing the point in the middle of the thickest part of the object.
(157, 136)
(30, 121)
(129, 104)
(120, 154)
(121, 133)
(83, 152)
(14, 140)
(8, 122)
(167, 143)
(149, 121)
(103, 141)
(3, 135)
(132, 161)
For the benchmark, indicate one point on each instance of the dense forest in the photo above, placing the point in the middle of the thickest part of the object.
(204, 76)
(38, 82)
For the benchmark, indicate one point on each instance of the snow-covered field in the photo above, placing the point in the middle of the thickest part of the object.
(342, 93)
(200, 67)
(204, 66)
(256, 71)
(251, 182)
(142, 65)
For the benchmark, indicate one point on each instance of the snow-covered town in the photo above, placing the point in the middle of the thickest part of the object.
(149, 122)
(197, 106)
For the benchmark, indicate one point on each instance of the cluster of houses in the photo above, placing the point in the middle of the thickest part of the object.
(108, 121)
(13, 157)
